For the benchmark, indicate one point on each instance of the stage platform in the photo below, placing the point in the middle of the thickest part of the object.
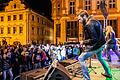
(114, 65)
(115, 69)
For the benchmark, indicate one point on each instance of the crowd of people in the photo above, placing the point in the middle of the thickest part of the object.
(15, 59)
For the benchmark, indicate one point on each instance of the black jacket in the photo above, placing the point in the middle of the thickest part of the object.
(94, 37)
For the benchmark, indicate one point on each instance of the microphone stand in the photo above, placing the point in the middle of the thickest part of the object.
(90, 66)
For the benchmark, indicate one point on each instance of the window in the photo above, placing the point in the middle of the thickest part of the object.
(42, 31)
(9, 18)
(72, 29)
(14, 30)
(14, 17)
(38, 31)
(43, 22)
(87, 4)
(48, 32)
(32, 18)
(38, 20)
(58, 9)
(58, 30)
(33, 30)
(72, 7)
(20, 30)
(20, 16)
(112, 4)
(8, 30)
(2, 18)
(98, 4)
(1, 30)
(14, 5)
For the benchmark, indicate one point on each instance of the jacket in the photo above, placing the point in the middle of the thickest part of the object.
(94, 37)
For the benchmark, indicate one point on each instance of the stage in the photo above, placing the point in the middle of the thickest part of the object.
(115, 69)
(114, 65)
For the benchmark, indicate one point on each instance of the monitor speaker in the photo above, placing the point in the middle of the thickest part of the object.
(56, 72)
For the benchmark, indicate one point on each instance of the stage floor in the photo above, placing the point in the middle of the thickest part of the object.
(114, 65)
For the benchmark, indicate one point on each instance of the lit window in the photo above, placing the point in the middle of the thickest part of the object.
(32, 18)
(9, 18)
(72, 29)
(112, 4)
(72, 7)
(33, 30)
(38, 31)
(43, 22)
(20, 30)
(20, 16)
(98, 4)
(1, 30)
(58, 8)
(2, 18)
(38, 20)
(8, 30)
(14, 5)
(58, 30)
(87, 4)
(14, 30)
(14, 17)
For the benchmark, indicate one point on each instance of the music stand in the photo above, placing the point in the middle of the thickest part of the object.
(91, 68)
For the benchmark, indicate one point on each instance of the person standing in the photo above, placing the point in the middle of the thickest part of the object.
(111, 43)
(94, 41)
(6, 65)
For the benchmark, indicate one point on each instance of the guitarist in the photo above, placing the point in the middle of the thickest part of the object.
(94, 41)
(111, 43)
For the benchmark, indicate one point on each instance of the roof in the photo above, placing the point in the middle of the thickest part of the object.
(40, 6)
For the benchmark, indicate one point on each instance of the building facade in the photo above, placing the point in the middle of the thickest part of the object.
(19, 23)
(66, 25)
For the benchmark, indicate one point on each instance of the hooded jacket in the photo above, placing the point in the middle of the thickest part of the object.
(94, 37)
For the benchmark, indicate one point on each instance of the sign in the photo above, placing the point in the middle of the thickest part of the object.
(72, 39)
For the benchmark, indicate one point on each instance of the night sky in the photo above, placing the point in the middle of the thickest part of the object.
(41, 6)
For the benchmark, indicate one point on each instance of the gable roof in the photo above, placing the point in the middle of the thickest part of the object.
(42, 7)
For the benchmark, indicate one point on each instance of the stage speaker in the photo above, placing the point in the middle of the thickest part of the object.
(36, 74)
(56, 72)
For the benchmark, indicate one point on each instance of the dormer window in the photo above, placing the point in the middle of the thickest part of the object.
(14, 5)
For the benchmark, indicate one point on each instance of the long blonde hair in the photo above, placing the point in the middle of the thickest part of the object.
(109, 29)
